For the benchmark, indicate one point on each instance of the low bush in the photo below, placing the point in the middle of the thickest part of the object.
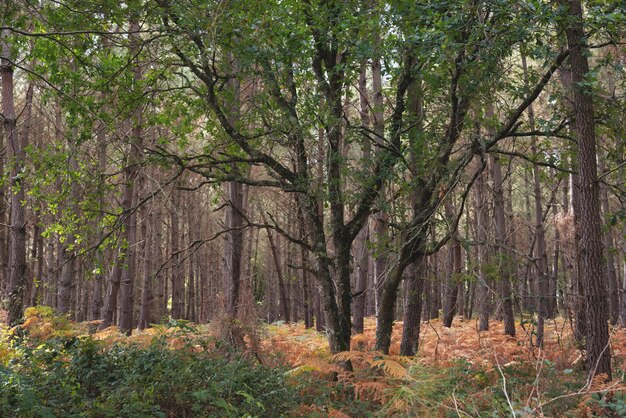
(84, 377)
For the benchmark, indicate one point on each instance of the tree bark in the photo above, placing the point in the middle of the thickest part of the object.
(505, 258)
(543, 288)
(282, 292)
(592, 275)
(611, 272)
(454, 272)
(361, 248)
(129, 200)
(17, 229)
(482, 224)
(414, 286)
(177, 283)
(145, 311)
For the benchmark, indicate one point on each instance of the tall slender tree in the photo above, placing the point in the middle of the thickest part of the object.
(592, 274)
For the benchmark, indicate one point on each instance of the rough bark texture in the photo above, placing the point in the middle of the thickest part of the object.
(414, 286)
(592, 272)
(17, 228)
(611, 273)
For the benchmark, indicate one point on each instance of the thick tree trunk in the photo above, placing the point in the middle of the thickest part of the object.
(414, 286)
(592, 275)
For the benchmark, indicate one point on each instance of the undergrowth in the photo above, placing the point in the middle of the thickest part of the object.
(66, 375)
(50, 366)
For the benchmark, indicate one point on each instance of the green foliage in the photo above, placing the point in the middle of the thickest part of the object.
(614, 404)
(83, 377)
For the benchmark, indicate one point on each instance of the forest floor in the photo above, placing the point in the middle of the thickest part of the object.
(50, 366)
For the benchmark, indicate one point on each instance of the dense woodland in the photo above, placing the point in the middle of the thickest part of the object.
(377, 171)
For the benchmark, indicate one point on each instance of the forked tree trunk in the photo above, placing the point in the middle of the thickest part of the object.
(413, 239)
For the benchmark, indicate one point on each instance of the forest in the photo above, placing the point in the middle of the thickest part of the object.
(339, 208)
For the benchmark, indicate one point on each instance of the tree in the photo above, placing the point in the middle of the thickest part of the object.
(324, 58)
(17, 236)
(592, 274)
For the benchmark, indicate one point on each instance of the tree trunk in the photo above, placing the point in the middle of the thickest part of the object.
(414, 286)
(361, 251)
(380, 219)
(505, 259)
(611, 272)
(592, 275)
(17, 231)
(129, 201)
(282, 292)
(99, 278)
(177, 283)
(482, 224)
(454, 272)
(145, 311)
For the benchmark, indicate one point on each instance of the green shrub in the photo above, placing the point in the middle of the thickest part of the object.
(82, 377)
